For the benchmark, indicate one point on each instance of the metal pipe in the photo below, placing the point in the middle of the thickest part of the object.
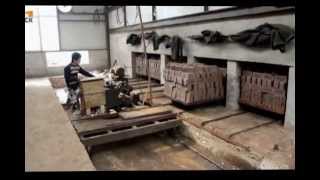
(107, 36)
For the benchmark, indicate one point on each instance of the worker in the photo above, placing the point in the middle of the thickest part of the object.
(72, 81)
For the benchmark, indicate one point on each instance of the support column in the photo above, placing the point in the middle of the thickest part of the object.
(162, 67)
(106, 11)
(233, 85)
(191, 59)
(290, 104)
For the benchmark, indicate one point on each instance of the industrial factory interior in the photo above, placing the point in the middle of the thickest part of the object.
(159, 88)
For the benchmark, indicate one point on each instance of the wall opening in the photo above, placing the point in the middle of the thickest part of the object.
(63, 58)
(263, 89)
(139, 65)
(222, 65)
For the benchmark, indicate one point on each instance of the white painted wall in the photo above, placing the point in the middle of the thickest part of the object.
(35, 64)
(231, 51)
(82, 35)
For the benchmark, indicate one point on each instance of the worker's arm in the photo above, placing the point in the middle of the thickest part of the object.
(85, 73)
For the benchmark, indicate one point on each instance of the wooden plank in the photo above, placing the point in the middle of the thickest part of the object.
(129, 133)
(104, 127)
(137, 82)
(146, 85)
(144, 112)
(154, 95)
(141, 82)
(84, 126)
(135, 108)
(144, 90)
(91, 79)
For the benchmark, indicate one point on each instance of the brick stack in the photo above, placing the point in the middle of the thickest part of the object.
(141, 67)
(154, 68)
(192, 84)
(264, 91)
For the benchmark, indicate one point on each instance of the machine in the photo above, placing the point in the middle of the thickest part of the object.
(118, 91)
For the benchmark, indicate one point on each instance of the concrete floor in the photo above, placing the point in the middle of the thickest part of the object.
(152, 152)
(51, 143)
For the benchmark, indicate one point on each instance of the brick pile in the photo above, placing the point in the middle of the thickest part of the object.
(264, 91)
(192, 84)
(141, 67)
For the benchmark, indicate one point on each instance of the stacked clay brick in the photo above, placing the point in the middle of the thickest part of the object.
(264, 91)
(154, 68)
(141, 67)
(192, 84)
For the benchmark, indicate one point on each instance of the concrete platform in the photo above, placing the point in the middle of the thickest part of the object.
(256, 141)
(51, 143)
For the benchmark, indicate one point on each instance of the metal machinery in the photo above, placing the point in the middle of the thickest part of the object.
(118, 91)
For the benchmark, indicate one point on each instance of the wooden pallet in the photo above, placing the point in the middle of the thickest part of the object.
(128, 125)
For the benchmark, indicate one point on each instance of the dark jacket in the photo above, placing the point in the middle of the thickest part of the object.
(156, 39)
(209, 37)
(134, 39)
(176, 45)
(276, 36)
(71, 75)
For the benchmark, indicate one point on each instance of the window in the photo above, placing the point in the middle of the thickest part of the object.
(213, 8)
(164, 12)
(133, 16)
(32, 33)
(63, 58)
(42, 32)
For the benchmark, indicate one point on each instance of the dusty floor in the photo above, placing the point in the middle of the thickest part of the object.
(153, 152)
(51, 144)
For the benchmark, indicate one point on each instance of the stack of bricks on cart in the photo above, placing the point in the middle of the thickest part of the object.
(191, 84)
(154, 67)
(264, 91)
